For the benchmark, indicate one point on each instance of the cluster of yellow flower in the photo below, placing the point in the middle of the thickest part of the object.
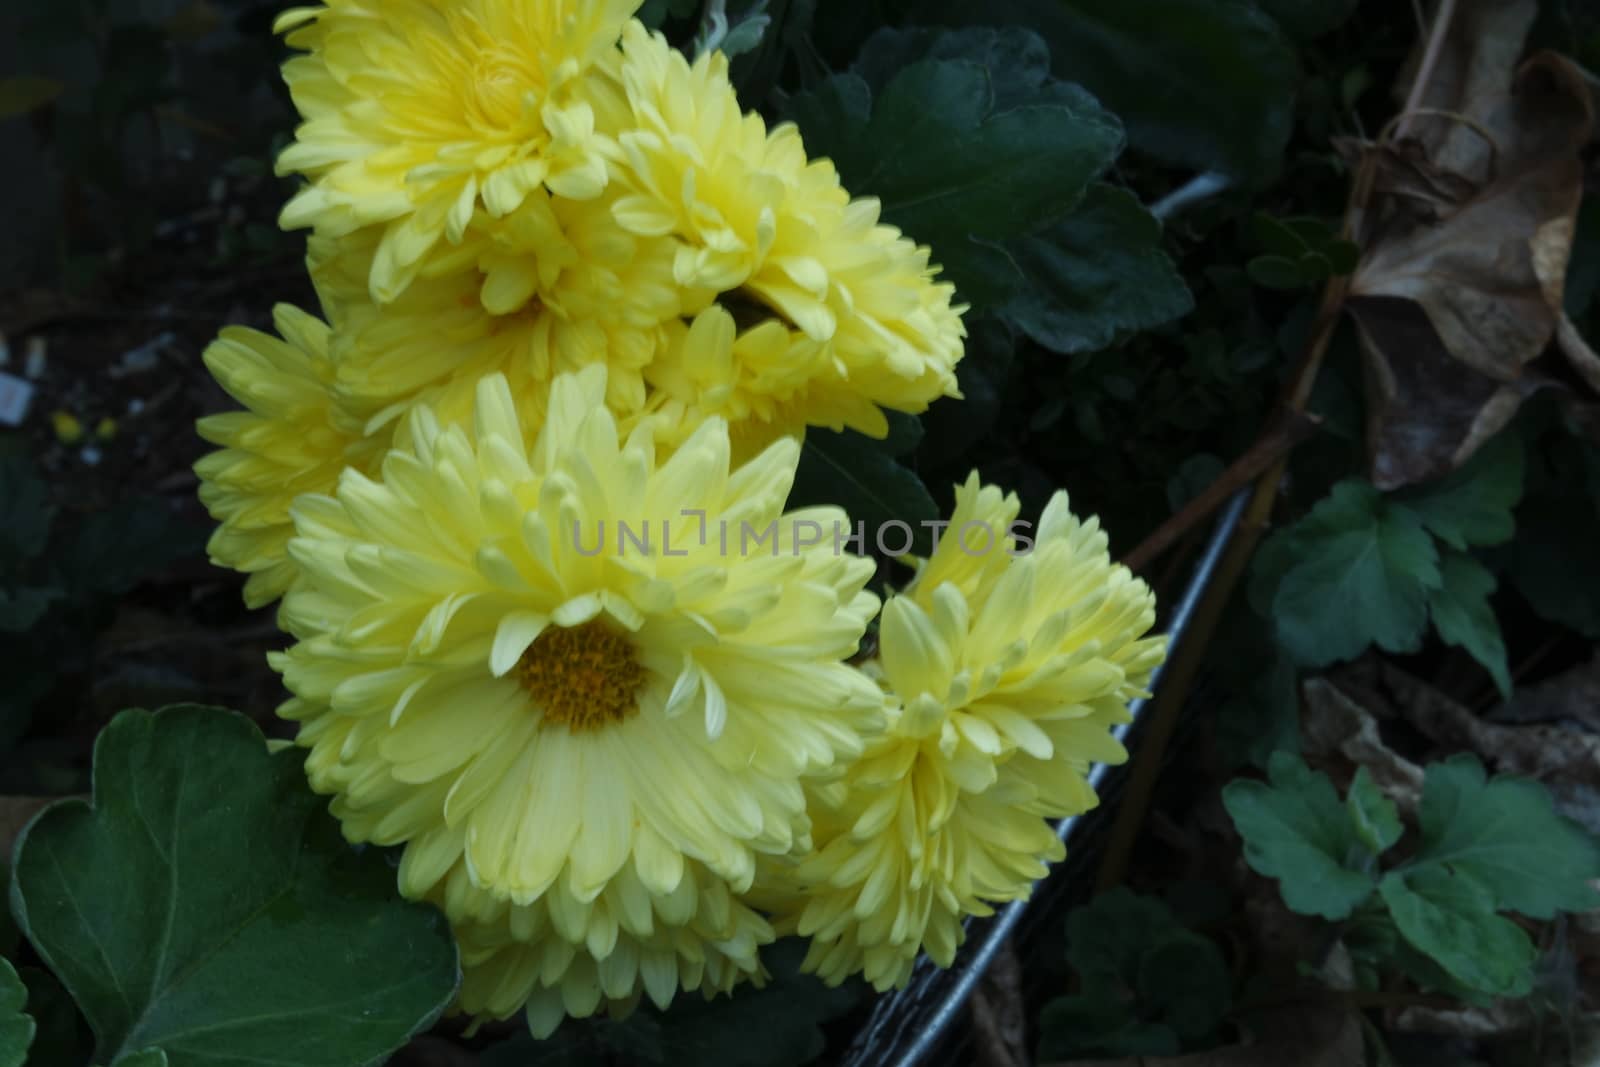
(567, 282)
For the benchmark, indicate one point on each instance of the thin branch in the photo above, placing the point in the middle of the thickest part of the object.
(1268, 449)
(1430, 61)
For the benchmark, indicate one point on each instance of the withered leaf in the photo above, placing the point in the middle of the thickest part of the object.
(1459, 288)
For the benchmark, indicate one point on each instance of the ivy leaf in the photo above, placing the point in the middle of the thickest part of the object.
(859, 475)
(1075, 286)
(1463, 617)
(205, 905)
(1373, 815)
(1505, 835)
(1472, 505)
(1361, 570)
(1295, 830)
(16, 1025)
(1451, 919)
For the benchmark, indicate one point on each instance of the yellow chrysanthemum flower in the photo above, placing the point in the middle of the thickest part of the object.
(566, 724)
(553, 287)
(755, 219)
(1007, 673)
(291, 439)
(419, 115)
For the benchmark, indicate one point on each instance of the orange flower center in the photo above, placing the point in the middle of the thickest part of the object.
(583, 677)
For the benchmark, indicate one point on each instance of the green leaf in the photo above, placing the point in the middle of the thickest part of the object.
(1307, 19)
(1017, 59)
(1505, 835)
(952, 427)
(1074, 286)
(1357, 571)
(61, 1036)
(150, 1057)
(21, 608)
(1261, 718)
(1464, 618)
(1450, 918)
(204, 904)
(26, 93)
(1202, 84)
(944, 164)
(1100, 1020)
(25, 513)
(1473, 505)
(1185, 983)
(1553, 563)
(1372, 815)
(857, 474)
(1277, 272)
(1295, 830)
(16, 1025)
(114, 549)
(1148, 984)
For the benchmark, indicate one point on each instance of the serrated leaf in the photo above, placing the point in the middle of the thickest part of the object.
(944, 163)
(1203, 84)
(1358, 572)
(1099, 1020)
(1296, 831)
(1017, 59)
(204, 904)
(1451, 919)
(1506, 836)
(1146, 982)
(1098, 272)
(16, 1025)
(1464, 618)
(1185, 983)
(1473, 505)
(857, 474)
(1373, 816)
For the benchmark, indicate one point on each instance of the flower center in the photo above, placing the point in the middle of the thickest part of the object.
(583, 677)
(494, 95)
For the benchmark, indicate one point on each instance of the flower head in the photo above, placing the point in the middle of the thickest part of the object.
(778, 238)
(566, 724)
(292, 438)
(419, 116)
(1006, 673)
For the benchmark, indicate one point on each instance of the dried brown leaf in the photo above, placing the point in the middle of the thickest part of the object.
(1334, 724)
(1459, 287)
